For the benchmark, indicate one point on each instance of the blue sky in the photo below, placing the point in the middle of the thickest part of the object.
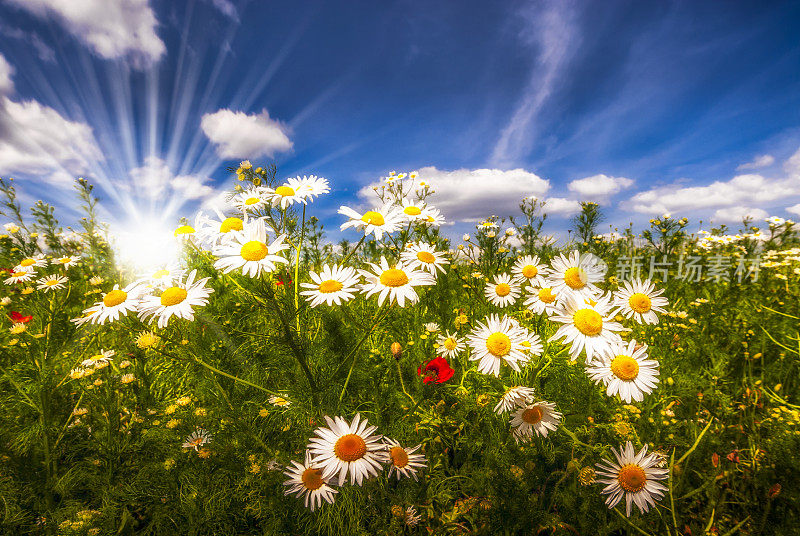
(691, 108)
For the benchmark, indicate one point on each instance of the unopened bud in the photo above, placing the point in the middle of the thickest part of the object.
(397, 350)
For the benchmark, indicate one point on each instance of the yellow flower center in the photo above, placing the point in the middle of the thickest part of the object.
(284, 191)
(350, 448)
(373, 218)
(640, 302)
(184, 229)
(52, 282)
(426, 257)
(412, 211)
(450, 343)
(253, 251)
(588, 321)
(575, 278)
(399, 456)
(632, 478)
(394, 277)
(252, 201)
(115, 297)
(231, 224)
(503, 289)
(625, 367)
(27, 262)
(530, 271)
(18, 274)
(173, 296)
(312, 479)
(532, 415)
(498, 344)
(64, 260)
(546, 295)
(331, 285)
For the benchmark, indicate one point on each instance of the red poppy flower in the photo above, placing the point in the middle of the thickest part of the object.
(436, 370)
(18, 318)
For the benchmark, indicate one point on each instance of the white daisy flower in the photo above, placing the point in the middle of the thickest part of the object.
(115, 304)
(211, 231)
(99, 360)
(342, 448)
(495, 342)
(539, 418)
(514, 397)
(433, 217)
(626, 370)
(450, 345)
(164, 276)
(502, 292)
(532, 344)
(414, 211)
(197, 439)
(640, 300)
(30, 263)
(423, 256)
(488, 224)
(634, 476)
(542, 300)
(529, 268)
(67, 261)
(279, 401)
(403, 461)
(51, 282)
(587, 325)
(576, 274)
(20, 276)
(178, 300)
(287, 194)
(312, 186)
(387, 219)
(248, 250)
(333, 285)
(396, 283)
(305, 480)
(431, 327)
(252, 199)
(411, 518)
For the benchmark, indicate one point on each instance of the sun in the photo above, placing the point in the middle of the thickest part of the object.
(145, 244)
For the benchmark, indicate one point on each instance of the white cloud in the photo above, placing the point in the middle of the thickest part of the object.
(737, 214)
(155, 179)
(6, 70)
(227, 8)
(760, 161)
(599, 187)
(561, 206)
(238, 135)
(794, 209)
(473, 194)
(111, 28)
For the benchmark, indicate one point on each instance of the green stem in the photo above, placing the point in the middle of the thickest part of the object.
(354, 353)
(297, 269)
(353, 251)
(402, 384)
(237, 379)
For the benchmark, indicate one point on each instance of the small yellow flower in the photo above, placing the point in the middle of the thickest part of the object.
(27, 290)
(184, 401)
(147, 339)
(263, 412)
(18, 328)
(128, 378)
(173, 423)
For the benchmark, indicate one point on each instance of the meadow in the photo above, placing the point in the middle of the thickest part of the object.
(271, 382)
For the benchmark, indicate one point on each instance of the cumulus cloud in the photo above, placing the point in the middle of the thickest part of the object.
(473, 194)
(737, 214)
(155, 179)
(758, 162)
(794, 209)
(599, 187)
(561, 206)
(112, 29)
(239, 135)
(6, 70)
(227, 8)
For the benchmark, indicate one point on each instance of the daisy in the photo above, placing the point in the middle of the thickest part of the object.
(115, 304)
(634, 476)
(197, 439)
(29, 263)
(423, 256)
(342, 448)
(163, 277)
(450, 345)
(587, 324)
(413, 212)
(486, 225)
(249, 251)
(177, 300)
(542, 300)
(396, 283)
(626, 370)
(502, 292)
(99, 360)
(532, 344)
(333, 285)
(252, 199)
(434, 217)
(381, 220)
(20, 276)
(539, 418)
(51, 282)
(67, 262)
(576, 273)
(287, 194)
(411, 518)
(212, 231)
(403, 460)
(312, 186)
(529, 268)
(305, 480)
(640, 300)
(514, 397)
(495, 342)
(279, 401)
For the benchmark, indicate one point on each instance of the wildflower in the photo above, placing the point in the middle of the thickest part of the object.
(96, 280)
(450, 345)
(342, 448)
(640, 300)
(128, 378)
(252, 199)
(586, 476)
(634, 476)
(279, 401)
(332, 285)
(176, 301)
(495, 342)
(529, 268)
(423, 256)
(437, 370)
(542, 300)
(29, 263)
(626, 370)
(18, 328)
(403, 460)
(514, 397)
(306, 480)
(378, 221)
(576, 274)
(502, 292)
(249, 251)
(197, 439)
(17, 317)
(411, 518)
(396, 283)
(586, 325)
(184, 401)
(147, 339)
(20, 276)
(99, 360)
(115, 304)
(539, 418)
(67, 261)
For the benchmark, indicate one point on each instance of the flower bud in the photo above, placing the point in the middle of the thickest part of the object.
(397, 350)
